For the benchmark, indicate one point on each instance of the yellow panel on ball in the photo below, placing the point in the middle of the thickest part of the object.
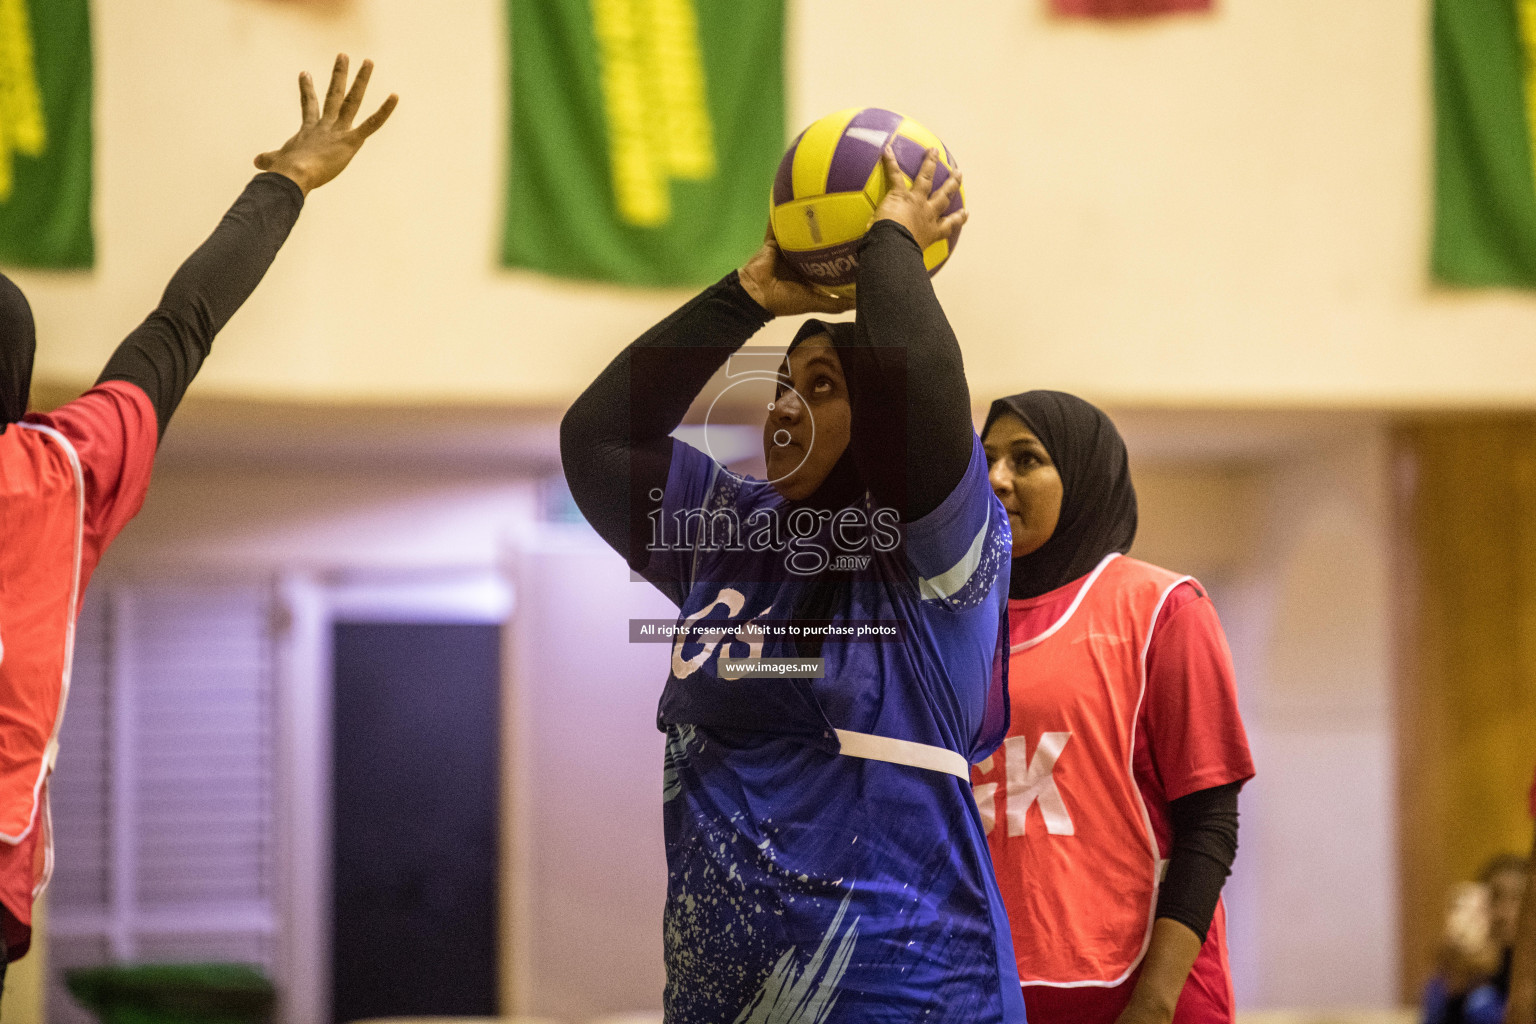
(805, 225)
(935, 255)
(876, 187)
(814, 150)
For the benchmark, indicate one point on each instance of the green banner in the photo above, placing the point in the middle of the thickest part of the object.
(1485, 191)
(45, 133)
(645, 135)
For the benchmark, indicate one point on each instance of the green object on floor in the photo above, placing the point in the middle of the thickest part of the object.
(174, 993)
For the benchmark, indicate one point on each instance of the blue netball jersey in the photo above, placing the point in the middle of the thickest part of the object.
(807, 886)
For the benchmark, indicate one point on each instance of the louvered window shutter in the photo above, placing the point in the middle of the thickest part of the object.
(164, 791)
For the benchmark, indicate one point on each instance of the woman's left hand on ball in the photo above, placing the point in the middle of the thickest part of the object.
(919, 207)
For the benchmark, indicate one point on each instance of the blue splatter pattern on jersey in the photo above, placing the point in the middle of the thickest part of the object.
(806, 886)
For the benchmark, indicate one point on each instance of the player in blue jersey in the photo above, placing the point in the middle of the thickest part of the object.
(826, 862)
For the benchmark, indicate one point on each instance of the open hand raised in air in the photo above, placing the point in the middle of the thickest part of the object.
(326, 141)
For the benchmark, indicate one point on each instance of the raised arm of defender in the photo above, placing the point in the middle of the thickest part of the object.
(165, 352)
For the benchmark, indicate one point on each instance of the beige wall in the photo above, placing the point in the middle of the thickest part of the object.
(1287, 521)
(1225, 209)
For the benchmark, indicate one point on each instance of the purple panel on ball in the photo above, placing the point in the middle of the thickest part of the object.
(784, 180)
(940, 175)
(956, 202)
(873, 117)
(859, 149)
(909, 154)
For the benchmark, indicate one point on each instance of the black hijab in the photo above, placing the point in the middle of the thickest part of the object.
(827, 595)
(1098, 502)
(18, 343)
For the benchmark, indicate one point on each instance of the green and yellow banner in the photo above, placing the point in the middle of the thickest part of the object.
(645, 134)
(45, 133)
(1485, 101)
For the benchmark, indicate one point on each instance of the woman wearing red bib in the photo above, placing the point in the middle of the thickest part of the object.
(1111, 809)
(70, 480)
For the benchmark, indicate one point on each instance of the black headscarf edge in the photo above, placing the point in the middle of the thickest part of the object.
(827, 595)
(1098, 502)
(18, 346)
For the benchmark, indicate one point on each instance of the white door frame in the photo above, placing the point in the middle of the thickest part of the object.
(312, 603)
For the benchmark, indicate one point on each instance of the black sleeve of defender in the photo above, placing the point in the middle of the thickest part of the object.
(164, 353)
(1204, 847)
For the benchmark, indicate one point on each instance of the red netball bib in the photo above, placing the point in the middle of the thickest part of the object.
(42, 511)
(1076, 858)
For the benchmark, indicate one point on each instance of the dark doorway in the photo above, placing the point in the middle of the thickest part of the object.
(416, 782)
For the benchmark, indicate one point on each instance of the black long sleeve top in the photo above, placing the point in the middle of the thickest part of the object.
(164, 353)
(1204, 827)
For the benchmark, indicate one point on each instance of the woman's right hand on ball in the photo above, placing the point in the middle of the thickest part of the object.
(918, 207)
(774, 285)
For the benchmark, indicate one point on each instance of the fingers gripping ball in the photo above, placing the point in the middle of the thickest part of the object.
(830, 182)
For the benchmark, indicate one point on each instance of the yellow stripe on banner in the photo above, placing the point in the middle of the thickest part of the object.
(676, 72)
(1527, 9)
(639, 190)
(655, 99)
(22, 128)
(813, 157)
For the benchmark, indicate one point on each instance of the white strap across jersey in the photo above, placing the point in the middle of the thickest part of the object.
(914, 755)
